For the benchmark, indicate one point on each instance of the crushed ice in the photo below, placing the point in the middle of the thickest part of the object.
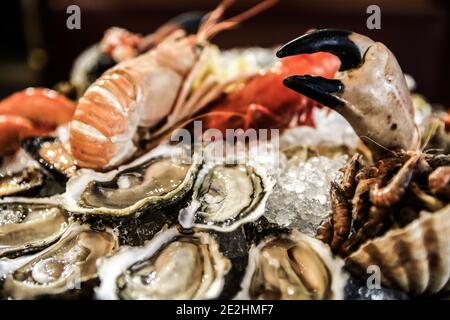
(301, 198)
(331, 129)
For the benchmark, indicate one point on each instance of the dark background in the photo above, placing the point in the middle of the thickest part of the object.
(36, 48)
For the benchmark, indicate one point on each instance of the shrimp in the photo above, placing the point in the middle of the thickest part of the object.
(150, 91)
(394, 191)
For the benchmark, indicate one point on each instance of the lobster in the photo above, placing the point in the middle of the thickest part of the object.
(263, 101)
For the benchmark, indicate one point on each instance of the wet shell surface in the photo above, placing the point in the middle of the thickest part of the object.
(293, 266)
(51, 155)
(170, 266)
(155, 180)
(227, 196)
(415, 259)
(27, 227)
(61, 267)
(22, 181)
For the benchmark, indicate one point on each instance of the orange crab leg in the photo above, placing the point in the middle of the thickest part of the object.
(43, 107)
(13, 129)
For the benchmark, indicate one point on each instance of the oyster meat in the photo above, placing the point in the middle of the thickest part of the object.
(227, 196)
(27, 227)
(171, 266)
(153, 181)
(293, 266)
(20, 182)
(63, 266)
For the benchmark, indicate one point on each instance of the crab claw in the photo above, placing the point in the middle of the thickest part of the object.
(317, 88)
(370, 90)
(334, 41)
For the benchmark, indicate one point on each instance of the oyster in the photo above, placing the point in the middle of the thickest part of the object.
(155, 180)
(415, 259)
(20, 182)
(16, 162)
(227, 196)
(171, 266)
(26, 227)
(50, 153)
(292, 266)
(62, 266)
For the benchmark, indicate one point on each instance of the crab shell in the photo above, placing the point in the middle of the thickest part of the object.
(415, 259)
(370, 91)
(378, 101)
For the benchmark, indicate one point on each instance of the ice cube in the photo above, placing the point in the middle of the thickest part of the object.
(301, 198)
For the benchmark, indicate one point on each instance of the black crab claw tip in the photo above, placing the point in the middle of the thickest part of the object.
(189, 21)
(317, 88)
(334, 41)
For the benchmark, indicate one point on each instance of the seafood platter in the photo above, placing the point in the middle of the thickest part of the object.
(351, 200)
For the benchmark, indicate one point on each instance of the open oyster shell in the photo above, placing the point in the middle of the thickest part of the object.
(27, 227)
(155, 180)
(20, 182)
(292, 266)
(227, 196)
(62, 266)
(415, 259)
(170, 266)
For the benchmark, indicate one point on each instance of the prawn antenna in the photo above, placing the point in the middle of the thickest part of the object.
(211, 25)
(433, 128)
(378, 144)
